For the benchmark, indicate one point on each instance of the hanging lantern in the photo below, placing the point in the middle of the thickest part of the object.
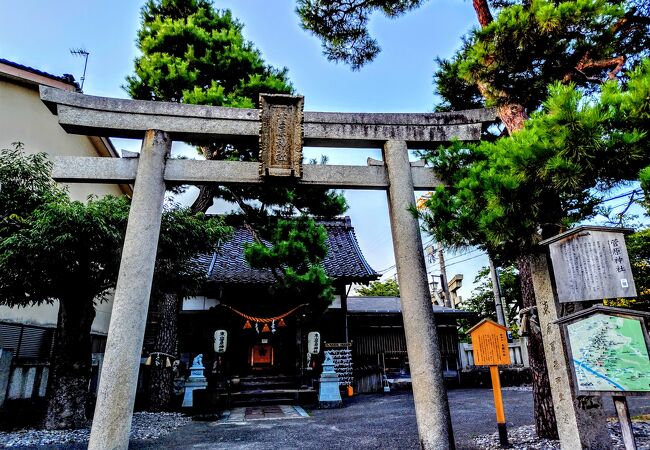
(281, 323)
(148, 361)
(247, 325)
(265, 328)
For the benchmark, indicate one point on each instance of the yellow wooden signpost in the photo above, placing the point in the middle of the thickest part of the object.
(490, 347)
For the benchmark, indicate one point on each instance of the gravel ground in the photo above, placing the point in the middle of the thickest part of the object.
(523, 438)
(144, 426)
(366, 422)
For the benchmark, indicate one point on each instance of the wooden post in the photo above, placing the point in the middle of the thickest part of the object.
(490, 348)
(620, 402)
(498, 406)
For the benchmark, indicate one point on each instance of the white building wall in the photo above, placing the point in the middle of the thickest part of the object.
(24, 118)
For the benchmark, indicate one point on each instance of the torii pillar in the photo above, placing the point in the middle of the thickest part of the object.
(117, 387)
(429, 393)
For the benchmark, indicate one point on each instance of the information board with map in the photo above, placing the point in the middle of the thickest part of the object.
(609, 353)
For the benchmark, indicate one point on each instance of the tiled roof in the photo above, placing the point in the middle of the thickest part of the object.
(344, 260)
(66, 78)
(392, 305)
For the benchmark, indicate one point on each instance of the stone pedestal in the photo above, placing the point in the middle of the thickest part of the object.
(329, 395)
(195, 381)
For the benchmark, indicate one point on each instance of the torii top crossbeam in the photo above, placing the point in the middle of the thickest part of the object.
(282, 129)
(110, 117)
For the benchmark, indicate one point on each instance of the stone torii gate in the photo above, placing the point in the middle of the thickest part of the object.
(282, 129)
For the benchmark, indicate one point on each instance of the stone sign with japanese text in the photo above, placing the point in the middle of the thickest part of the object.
(591, 263)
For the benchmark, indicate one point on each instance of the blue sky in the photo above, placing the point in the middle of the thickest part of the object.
(40, 33)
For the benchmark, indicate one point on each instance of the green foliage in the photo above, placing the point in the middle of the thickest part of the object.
(530, 45)
(644, 179)
(192, 53)
(388, 288)
(24, 185)
(482, 300)
(499, 195)
(456, 93)
(63, 249)
(342, 25)
(183, 235)
(297, 249)
(638, 249)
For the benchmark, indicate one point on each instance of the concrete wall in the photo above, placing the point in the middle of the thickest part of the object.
(28, 381)
(24, 118)
(46, 315)
(5, 373)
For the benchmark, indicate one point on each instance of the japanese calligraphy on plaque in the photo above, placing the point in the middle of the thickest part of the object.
(591, 263)
(281, 135)
(489, 343)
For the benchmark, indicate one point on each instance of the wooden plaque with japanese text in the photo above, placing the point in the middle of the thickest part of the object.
(490, 344)
(591, 263)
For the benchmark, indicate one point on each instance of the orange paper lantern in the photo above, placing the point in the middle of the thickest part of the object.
(247, 325)
(266, 328)
(281, 323)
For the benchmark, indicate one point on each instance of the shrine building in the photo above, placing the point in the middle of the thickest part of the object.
(266, 356)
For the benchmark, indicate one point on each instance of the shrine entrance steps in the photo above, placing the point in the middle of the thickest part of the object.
(271, 390)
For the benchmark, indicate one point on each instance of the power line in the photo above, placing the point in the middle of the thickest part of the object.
(463, 260)
(464, 254)
(625, 194)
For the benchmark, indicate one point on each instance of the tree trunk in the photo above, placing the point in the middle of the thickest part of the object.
(545, 423)
(514, 115)
(161, 377)
(71, 367)
(205, 199)
(482, 12)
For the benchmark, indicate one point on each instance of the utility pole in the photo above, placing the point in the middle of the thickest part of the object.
(496, 289)
(443, 276)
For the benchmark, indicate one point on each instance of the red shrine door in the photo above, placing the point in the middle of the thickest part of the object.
(262, 356)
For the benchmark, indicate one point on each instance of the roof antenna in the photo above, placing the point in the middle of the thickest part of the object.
(83, 53)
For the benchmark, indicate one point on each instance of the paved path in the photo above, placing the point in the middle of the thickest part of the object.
(366, 422)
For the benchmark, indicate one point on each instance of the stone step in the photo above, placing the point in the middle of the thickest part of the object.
(272, 396)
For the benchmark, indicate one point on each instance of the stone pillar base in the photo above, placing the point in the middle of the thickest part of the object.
(191, 385)
(330, 404)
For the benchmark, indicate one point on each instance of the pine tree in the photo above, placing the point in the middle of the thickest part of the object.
(508, 61)
(192, 53)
